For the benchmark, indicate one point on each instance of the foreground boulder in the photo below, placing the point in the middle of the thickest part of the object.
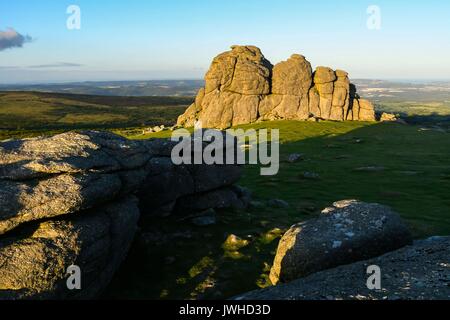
(35, 259)
(417, 272)
(71, 199)
(242, 87)
(347, 232)
(64, 174)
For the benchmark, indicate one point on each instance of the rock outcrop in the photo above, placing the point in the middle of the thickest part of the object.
(347, 232)
(34, 261)
(242, 87)
(75, 199)
(417, 272)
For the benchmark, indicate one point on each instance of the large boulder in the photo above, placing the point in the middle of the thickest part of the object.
(70, 200)
(54, 176)
(242, 87)
(417, 272)
(292, 77)
(291, 82)
(347, 232)
(366, 110)
(234, 85)
(35, 259)
(242, 70)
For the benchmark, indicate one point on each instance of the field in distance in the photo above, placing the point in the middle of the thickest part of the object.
(30, 113)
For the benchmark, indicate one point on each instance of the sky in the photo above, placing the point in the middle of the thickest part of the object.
(177, 39)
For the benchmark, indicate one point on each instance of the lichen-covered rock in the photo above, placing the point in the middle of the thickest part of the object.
(34, 260)
(70, 200)
(71, 153)
(417, 272)
(234, 86)
(324, 75)
(388, 117)
(54, 176)
(242, 87)
(366, 110)
(347, 232)
(242, 70)
(292, 77)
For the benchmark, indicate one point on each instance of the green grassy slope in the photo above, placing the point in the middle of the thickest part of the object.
(20, 111)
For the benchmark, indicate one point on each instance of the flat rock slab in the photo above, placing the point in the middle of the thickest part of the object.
(417, 272)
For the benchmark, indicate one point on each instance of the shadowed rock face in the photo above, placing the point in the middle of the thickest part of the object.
(417, 272)
(243, 87)
(34, 261)
(71, 199)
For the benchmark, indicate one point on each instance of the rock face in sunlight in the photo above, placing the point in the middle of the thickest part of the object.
(75, 199)
(347, 232)
(243, 87)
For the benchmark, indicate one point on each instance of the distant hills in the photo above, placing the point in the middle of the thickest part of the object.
(116, 88)
(147, 103)
(375, 90)
(406, 91)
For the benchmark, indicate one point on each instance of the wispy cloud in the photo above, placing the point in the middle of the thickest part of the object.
(12, 39)
(45, 66)
(56, 65)
(9, 67)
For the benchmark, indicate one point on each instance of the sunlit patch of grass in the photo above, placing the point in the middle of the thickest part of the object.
(235, 255)
(234, 243)
(271, 235)
(201, 266)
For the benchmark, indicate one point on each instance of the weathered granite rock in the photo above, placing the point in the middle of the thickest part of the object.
(347, 232)
(292, 77)
(366, 110)
(70, 199)
(234, 86)
(242, 70)
(49, 177)
(417, 272)
(388, 117)
(243, 87)
(34, 260)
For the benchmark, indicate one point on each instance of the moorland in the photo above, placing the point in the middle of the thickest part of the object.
(405, 166)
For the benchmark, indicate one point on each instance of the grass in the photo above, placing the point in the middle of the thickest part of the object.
(24, 111)
(188, 262)
(193, 263)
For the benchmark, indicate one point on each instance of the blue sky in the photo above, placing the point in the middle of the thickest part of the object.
(161, 39)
